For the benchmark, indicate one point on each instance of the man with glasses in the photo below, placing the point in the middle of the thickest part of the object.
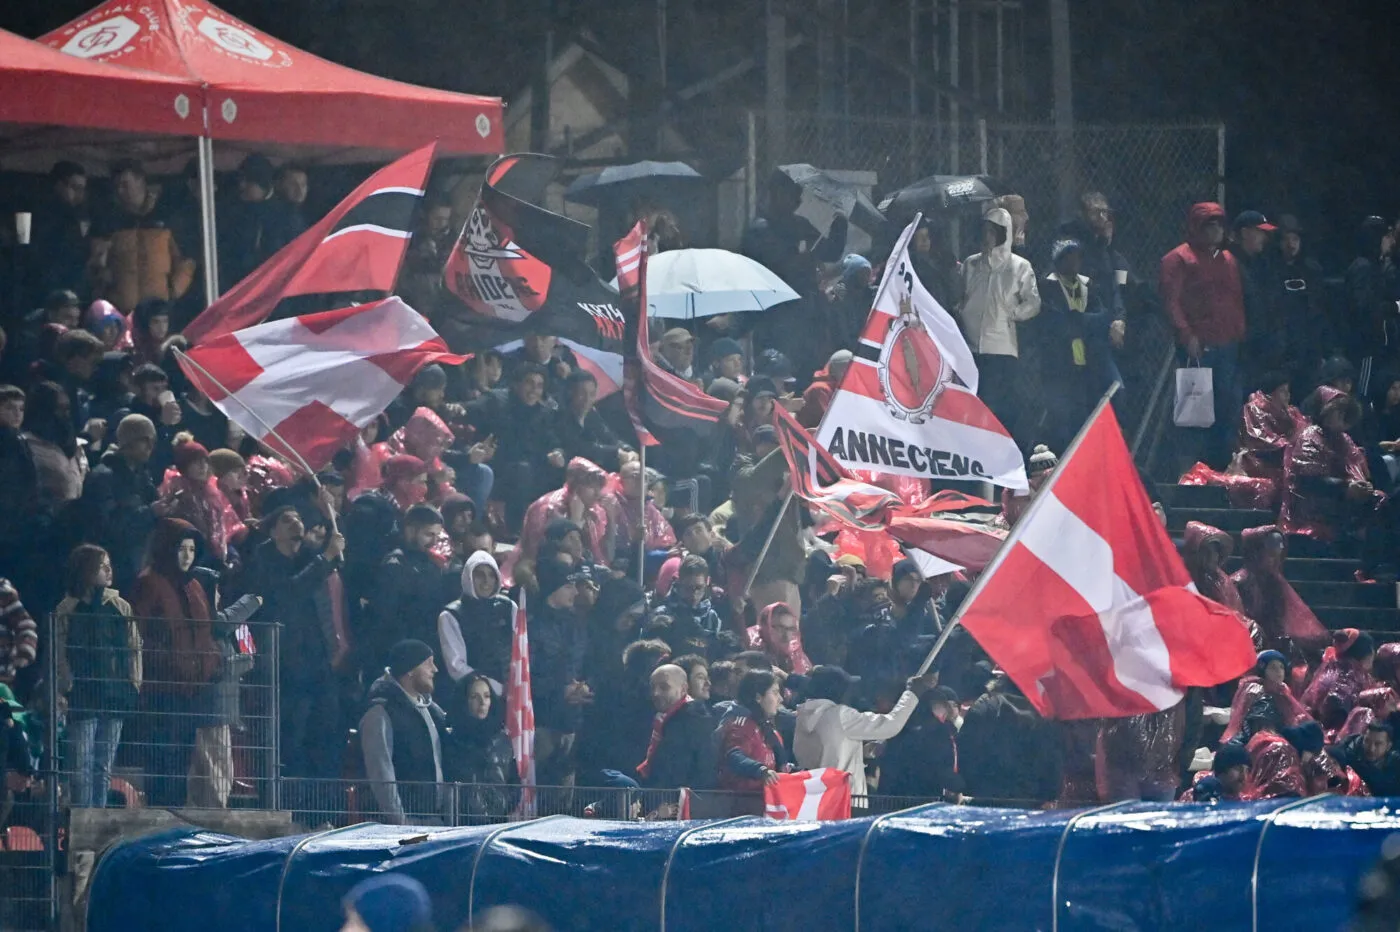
(1104, 266)
(696, 624)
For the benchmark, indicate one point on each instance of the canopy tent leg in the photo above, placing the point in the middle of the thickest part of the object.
(206, 219)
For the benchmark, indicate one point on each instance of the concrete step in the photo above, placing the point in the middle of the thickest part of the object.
(1308, 569)
(1346, 594)
(1386, 620)
(1192, 496)
(1232, 520)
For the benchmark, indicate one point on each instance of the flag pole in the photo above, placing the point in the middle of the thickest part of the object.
(900, 245)
(184, 357)
(1002, 552)
(642, 544)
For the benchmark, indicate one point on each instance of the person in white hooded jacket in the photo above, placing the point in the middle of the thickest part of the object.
(831, 733)
(999, 291)
(474, 632)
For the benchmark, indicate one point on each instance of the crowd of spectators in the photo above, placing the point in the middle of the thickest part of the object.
(685, 627)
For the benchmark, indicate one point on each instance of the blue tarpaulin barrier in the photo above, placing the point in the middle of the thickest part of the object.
(1269, 865)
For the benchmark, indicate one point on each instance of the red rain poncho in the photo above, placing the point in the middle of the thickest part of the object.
(1339, 676)
(789, 657)
(1275, 770)
(551, 505)
(1252, 688)
(1269, 599)
(1316, 452)
(1214, 583)
(1372, 705)
(1265, 431)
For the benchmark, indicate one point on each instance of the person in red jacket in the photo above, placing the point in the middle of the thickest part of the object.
(1204, 300)
(751, 752)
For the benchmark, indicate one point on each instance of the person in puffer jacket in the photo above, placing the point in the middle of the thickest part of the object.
(474, 632)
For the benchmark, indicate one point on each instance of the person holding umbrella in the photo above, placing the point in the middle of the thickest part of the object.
(787, 243)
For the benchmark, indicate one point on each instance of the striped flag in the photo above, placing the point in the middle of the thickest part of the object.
(358, 246)
(908, 404)
(306, 386)
(1089, 608)
(821, 481)
(520, 712)
(809, 796)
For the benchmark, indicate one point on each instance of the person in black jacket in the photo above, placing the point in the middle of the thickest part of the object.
(1302, 311)
(478, 753)
(117, 498)
(681, 752)
(408, 587)
(401, 738)
(922, 760)
(580, 429)
(528, 461)
(558, 643)
(1077, 364)
(289, 576)
(1373, 756)
(1007, 753)
(1371, 327)
(475, 632)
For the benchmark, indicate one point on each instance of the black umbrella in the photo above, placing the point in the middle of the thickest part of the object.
(939, 192)
(842, 197)
(624, 182)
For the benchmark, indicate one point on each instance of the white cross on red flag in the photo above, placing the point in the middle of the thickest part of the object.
(1089, 608)
(809, 796)
(520, 712)
(306, 385)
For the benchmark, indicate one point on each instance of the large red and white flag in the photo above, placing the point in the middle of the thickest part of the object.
(358, 246)
(306, 385)
(908, 404)
(809, 796)
(520, 711)
(1088, 606)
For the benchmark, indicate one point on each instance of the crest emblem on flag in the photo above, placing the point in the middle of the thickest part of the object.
(498, 278)
(913, 373)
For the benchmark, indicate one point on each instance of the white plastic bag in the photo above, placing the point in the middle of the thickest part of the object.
(1195, 397)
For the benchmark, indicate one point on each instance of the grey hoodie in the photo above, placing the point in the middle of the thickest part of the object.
(999, 290)
(455, 661)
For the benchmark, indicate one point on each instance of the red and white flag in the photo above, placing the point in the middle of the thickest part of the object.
(908, 404)
(1089, 608)
(520, 711)
(306, 385)
(821, 482)
(809, 796)
(358, 246)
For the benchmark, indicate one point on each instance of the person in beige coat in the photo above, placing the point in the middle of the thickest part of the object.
(830, 733)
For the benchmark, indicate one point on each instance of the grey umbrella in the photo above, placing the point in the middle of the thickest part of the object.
(622, 182)
(842, 197)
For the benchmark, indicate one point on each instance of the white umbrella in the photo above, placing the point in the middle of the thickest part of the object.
(688, 283)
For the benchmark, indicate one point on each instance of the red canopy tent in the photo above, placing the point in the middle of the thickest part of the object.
(44, 87)
(260, 89)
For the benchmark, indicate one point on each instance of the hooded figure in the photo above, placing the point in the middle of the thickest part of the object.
(1324, 471)
(1204, 551)
(191, 493)
(477, 751)
(426, 436)
(1275, 766)
(583, 488)
(785, 651)
(1344, 672)
(108, 324)
(1200, 284)
(1269, 424)
(475, 631)
(1281, 614)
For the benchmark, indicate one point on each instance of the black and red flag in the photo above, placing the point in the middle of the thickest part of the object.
(518, 268)
(822, 482)
(358, 246)
(656, 399)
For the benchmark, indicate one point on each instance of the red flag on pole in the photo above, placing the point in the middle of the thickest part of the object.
(1089, 608)
(358, 246)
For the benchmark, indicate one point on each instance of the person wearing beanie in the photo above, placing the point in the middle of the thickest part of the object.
(1225, 781)
(723, 389)
(1269, 678)
(400, 737)
(117, 499)
(558, 644)
(191, 494)
(388, 903)
(726, 361)
(1077, 355)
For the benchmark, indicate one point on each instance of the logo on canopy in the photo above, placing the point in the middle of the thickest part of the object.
(483, 125)
(103, 39)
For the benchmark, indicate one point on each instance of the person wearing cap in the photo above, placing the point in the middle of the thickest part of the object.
(134, 256)
(1250, 235)
(1203, 297)
(831, 733)
(922, 760)
(817, 397)
(400, 737)
(1077, 363)
(258, 224)
(676, 353)
(388, 902)
(1371, 329)
(999, 292)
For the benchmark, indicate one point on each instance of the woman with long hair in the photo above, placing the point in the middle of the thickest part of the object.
(98, 662)
(751, 752)
(481, 754)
